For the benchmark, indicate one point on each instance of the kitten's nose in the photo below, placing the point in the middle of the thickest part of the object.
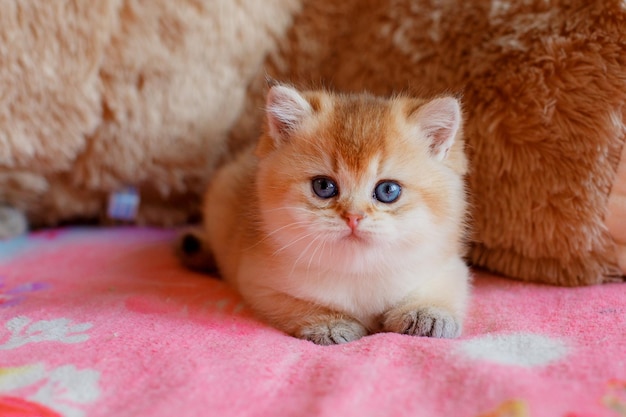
(353, 219)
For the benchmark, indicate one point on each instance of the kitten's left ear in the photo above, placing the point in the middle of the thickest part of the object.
(439, 120)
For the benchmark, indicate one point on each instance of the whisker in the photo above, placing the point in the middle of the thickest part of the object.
(303, 253)
(294, 224)
(321, 254)
(322, 243)
(292, 243)
(299, 223)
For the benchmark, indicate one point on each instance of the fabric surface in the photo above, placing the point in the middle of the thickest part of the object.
(98, 322)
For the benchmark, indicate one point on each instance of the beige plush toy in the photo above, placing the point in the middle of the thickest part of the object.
(101, 96)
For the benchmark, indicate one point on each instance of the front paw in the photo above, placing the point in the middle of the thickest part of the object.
(426, 321)
(333, 331)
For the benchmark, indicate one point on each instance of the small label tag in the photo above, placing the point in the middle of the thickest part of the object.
(123, 204)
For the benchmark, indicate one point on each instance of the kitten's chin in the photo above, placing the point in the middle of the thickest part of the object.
(356, 237)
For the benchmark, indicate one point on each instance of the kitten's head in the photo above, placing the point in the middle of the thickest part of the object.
(353, 180)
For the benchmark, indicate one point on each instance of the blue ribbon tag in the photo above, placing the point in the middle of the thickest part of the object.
(123, 204)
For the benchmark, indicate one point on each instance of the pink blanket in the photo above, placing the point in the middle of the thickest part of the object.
(100, 322)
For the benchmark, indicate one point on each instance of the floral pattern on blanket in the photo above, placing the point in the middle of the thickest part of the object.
(105, 322)
(23, 331)
(62, 391)
(15, 295)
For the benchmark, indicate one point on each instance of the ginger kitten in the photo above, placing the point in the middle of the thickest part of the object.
(347, 219)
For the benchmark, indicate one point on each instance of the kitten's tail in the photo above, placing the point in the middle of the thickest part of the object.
(193, 250)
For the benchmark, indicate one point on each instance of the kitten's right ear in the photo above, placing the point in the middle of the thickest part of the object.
(286, 109)
(439, 120)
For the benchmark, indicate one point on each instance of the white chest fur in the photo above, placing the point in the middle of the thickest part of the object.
(380, 283)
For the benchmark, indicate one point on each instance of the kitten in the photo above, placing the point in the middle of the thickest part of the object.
(347, 219)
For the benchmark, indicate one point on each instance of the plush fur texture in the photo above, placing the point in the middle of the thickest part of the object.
(348, 218)
(544, 87)
(96, 97)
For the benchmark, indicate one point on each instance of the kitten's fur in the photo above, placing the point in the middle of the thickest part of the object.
(333, 270)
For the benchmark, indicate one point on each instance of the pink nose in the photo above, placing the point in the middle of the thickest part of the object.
(353, 219)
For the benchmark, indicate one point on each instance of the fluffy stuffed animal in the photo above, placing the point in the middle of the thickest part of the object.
(100, 96)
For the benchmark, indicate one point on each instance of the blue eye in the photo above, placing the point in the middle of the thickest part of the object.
(387, 191)
(324, 187)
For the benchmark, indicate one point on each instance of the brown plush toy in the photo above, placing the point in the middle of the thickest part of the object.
(544, 90)
(543, 85)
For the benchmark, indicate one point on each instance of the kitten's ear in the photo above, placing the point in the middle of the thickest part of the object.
(285, 109)
(439, 120)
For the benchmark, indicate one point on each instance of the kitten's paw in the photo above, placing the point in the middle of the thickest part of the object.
(427, 321)
(333, 332)
(12, 222)
(191, 249)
